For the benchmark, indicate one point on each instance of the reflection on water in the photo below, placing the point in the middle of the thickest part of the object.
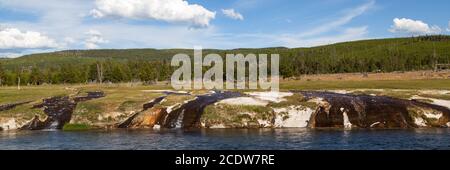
(299, 139)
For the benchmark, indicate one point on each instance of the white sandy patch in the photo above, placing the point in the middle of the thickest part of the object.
(298, 116)
(448, 124)
(218, 126)
(173, 107)
(341, 91)
(251, 114)
(271, 96)
(247, 101)
(420, 122)
(439, 102)
(9, 124)
(187, 101)
(264, 123)
(374, 124)
(203, 124)
(318, 101)
(435, 92)
(433, 116)
(156, 127)
(110, 115)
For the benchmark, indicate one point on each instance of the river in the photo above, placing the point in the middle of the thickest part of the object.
(224, 139)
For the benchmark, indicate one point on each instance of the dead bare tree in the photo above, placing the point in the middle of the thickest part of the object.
(100, 72)
(18, 78)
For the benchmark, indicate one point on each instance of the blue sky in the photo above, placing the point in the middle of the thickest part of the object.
(30, 26)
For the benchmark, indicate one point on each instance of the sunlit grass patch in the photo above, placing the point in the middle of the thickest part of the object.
(76, 127)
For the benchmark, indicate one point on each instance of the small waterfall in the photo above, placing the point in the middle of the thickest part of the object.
(188, 114)
(59, 111)
(53, 125)
(179, 123)
(365, 110)
(347, 123)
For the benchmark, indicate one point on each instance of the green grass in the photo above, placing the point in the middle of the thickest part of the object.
(31, 93)
(23, 112)
(76, 127)
(235, 114)
(367, 84)
(294, 100)
(435, 96)
(118, 99)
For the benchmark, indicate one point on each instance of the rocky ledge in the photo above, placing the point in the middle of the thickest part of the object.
(216, 109)
(58, 112)
(291, 109)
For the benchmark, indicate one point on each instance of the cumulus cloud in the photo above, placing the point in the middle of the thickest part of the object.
(415, 27)
(162, 10)
(94, 38)
(13, 38)
(232, 14)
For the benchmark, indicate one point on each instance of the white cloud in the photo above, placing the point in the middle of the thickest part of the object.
(349, 34)
(448, 29)
(96, 13)
(94, 38)
(232, 14)
(321, 35)
(66, 22)
(335, 23)
(415, 27)
(13, 38)
(162, 10)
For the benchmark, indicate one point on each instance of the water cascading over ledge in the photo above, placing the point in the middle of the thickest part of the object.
(59, 111)
(366, 111)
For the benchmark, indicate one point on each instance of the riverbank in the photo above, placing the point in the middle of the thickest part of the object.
(152, 107)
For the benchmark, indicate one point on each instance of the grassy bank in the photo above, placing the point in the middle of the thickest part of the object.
(77, 127)
(438, 84)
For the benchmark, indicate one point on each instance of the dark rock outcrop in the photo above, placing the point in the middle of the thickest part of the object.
(365, 111)
(58, 110)
(188, 114)
(34, 124)
(12, 106)
(90, 96)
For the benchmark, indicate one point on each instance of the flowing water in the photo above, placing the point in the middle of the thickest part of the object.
(260, 139)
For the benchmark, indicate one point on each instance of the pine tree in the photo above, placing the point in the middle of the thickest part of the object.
(2, 75)
(36, 77)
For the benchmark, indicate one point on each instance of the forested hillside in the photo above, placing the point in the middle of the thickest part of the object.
(148, 65)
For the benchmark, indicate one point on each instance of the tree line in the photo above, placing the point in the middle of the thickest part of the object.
(385, 55)
(98, 72)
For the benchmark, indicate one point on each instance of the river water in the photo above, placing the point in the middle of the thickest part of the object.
(259, 139)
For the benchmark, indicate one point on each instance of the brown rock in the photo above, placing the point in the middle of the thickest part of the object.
(147, 119)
